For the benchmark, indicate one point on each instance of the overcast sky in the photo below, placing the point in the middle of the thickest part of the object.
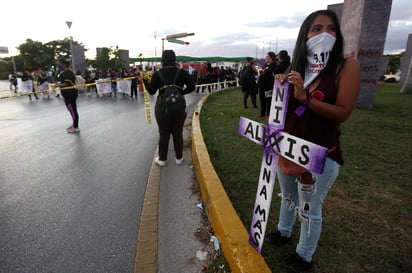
(222, 28)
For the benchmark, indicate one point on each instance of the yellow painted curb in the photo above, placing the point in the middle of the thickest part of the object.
(147, 237)
(228, 228)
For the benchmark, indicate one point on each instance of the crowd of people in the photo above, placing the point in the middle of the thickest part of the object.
(258, 81)
(206, 77)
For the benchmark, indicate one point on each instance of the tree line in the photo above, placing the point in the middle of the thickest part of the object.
(35, 55)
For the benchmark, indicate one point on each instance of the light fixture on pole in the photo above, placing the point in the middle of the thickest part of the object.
(69, 24)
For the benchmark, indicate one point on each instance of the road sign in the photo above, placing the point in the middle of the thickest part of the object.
(4, 49)
(179, 35)
(178, 42)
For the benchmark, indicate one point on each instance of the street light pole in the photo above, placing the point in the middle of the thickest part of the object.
(69, 24)
(155, 36)
(14, 64)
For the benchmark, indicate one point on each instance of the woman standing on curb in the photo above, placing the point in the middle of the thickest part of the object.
(325, 90)
(170, 123)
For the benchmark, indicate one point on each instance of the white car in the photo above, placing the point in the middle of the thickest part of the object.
(391, 78)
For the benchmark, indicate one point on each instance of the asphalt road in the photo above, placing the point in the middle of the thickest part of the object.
(72, 202)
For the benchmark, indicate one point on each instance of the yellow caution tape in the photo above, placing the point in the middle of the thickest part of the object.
(147, 107)
(62, 88)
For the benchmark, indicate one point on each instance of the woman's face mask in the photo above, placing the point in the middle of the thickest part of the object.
(319, 48)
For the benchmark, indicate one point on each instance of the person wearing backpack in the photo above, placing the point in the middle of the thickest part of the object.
(248, 82)
(170, 108)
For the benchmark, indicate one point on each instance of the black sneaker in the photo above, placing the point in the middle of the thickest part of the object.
(296, 264)
(275, 238)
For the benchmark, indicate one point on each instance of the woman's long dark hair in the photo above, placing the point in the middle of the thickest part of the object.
(299, 60)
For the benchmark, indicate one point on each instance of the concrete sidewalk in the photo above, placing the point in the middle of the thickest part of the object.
(180, 218)
(171, 246)
(171, 222)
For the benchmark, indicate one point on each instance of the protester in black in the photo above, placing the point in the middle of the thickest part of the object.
(28, 77)
(265, 85)
(169, 124)
(135, 76)
(283, 63)
(248, 82)
(66, 81)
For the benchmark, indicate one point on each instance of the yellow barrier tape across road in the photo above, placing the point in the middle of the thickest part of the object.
(43, 91)
(62, 88)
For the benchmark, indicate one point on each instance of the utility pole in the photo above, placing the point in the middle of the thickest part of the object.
(155, 36)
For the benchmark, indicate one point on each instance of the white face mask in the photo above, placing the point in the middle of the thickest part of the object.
(319, 48)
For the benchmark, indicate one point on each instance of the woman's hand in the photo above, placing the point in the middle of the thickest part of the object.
(280, 77)
(296, 80)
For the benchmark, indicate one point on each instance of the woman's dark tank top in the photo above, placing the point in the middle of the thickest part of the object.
(313, 127)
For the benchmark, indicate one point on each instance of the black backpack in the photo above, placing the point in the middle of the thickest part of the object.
(173, 101)
(247, 76)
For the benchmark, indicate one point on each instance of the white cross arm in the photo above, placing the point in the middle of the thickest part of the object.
(302, 152)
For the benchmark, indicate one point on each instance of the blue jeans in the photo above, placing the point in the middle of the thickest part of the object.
(306, 201)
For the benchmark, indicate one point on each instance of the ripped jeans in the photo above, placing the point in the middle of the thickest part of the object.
(306, 201)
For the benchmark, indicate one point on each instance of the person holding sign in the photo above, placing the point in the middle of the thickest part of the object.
(325, 88)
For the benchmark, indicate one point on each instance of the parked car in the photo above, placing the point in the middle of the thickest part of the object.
(391, 77)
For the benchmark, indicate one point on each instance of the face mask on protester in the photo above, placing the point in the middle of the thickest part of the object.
(319, 48)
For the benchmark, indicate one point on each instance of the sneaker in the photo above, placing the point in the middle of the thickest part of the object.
(159, 162)
(296, 264)
(179, 161)
(73, 130)
(275, 238)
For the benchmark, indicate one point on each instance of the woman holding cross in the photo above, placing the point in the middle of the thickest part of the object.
(325, 88)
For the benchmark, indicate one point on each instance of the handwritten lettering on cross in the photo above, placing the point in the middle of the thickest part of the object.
(276, 142)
